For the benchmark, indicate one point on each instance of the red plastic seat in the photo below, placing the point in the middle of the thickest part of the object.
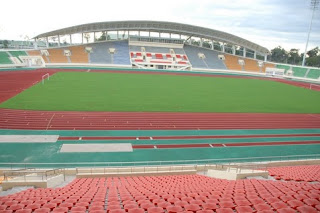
(192, 207)
(242, 203)
(155, 210)
(16, 207)
(262, 207)
(95, 208)
(67, 205)
(136, 210)
(130, 206)
(33, 206)
(113, 207)
(26, 202)
(306, 209)
(23, 211)
(226, 204)
(181, 203)
(295, 203)
(164, 205)
(97, 211)
(244, 209)
(78, 209)
(173, 199)
(225, 210)
(287, 210)
(205, 211)
(174, 209)
(145, 206)
(311, 202)
(61, 209)
(6, 211)
(42, 210)
(279, 205)
(117, 211)
(209, 206)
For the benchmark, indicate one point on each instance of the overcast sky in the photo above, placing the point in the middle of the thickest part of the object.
(269, 23)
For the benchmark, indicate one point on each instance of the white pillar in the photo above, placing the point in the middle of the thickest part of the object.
(149, 34)
(117, 35)
(244, 52)
(265, 57)
(82, 38)
(190, 40)
(47, 42)
(94, 36)
(201, 42)
(35, 45)
(59, 41)
(139, 33)
(70, 39)
(255, 55)
(212, 44)
(233, 50)
(223, 50)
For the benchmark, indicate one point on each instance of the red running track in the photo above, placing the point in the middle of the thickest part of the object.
(53, 120)
(185, 137)
(14, 82)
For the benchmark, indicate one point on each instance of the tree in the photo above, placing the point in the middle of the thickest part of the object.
(279, 55)
(313, 61)
(314, 52)
(206, 44)
(103, 37)
(294, 57)
(5, 44)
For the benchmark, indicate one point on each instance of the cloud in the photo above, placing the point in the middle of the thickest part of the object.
(266, 22)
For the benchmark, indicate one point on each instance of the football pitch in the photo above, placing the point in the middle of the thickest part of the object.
(74, 91)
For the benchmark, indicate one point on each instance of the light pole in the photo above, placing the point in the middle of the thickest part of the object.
(314, 6)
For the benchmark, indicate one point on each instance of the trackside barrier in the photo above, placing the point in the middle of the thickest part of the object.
(202, 162)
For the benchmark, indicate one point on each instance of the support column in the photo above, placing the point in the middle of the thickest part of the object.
(255, 55)
(94, 36)
(70, 39)
(82, 38)
(223, 50)
(180, 36)
(149, 34)
(59, 44)
(244, 52)
(233, 50)
(201, 42)
(169, 35)
(117, 35)
(47, 42)
(190, 40)
(35, 45)
(139, 33)
(265, 57)
(212, 44)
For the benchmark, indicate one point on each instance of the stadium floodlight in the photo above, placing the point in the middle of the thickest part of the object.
(314, 7)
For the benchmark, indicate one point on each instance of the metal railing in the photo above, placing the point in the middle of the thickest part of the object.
(31, 174)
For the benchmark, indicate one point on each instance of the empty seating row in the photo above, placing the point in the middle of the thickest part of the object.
(204, 58)
(296, 173)
(4, 58)
(171, 194)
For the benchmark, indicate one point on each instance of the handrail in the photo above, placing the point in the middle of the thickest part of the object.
(152, 163)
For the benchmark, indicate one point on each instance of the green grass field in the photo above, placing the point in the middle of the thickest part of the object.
(74, 91)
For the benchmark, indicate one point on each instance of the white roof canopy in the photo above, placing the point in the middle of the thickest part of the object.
(159, 26)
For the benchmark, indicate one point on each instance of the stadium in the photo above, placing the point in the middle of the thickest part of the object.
(154, 116)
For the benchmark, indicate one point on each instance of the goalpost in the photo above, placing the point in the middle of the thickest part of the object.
(315, 87)
(45, 76)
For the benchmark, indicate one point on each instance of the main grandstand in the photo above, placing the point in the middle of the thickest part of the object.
(159, 117)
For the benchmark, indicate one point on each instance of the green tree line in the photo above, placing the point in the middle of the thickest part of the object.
(280, 55)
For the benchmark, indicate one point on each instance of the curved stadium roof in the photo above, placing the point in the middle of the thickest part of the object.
(158, 26)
